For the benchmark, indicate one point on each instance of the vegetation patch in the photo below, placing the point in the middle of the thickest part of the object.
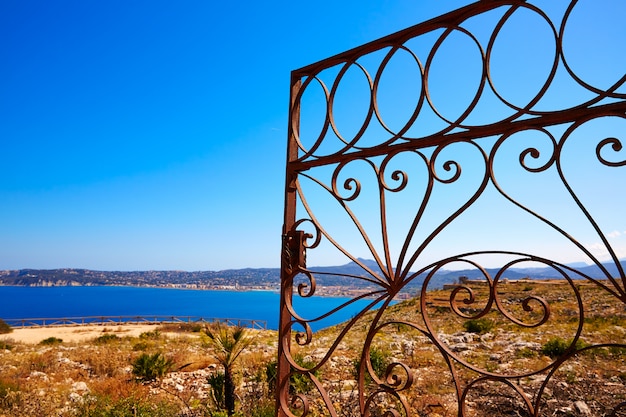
(4, 327)
(51, 341)
(479, 326)
(99, 377)
(107, 338)
(148, 367)
(556, 346)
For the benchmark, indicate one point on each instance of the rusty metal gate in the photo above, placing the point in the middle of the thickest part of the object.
(468, 175)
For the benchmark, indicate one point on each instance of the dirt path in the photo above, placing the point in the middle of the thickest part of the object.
(76, 333)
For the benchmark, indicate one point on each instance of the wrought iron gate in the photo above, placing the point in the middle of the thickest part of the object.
(397, 171)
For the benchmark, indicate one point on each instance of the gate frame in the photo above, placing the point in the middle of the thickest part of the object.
(299, 160)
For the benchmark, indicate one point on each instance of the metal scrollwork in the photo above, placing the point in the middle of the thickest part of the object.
(387, 192)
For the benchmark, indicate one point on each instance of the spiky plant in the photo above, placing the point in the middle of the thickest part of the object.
(227, 344)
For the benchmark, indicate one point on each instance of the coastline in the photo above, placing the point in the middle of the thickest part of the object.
(320, 291)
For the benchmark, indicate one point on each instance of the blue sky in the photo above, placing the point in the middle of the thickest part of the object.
(151, 134)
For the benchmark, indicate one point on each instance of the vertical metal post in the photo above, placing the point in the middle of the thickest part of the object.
(287, 270)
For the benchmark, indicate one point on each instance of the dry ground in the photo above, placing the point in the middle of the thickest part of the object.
(71, 334)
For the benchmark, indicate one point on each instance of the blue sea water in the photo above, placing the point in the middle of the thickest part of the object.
(66, 302)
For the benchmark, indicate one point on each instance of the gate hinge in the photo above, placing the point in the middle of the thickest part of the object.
(294, 250)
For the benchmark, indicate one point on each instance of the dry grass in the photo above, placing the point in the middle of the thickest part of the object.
(596, 376)
(95, 379)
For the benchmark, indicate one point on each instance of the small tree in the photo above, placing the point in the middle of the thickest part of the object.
(228, 343)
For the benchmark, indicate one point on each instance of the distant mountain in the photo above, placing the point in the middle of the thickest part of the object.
(442, 277)
(267, 278)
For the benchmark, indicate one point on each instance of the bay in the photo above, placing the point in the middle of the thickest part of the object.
(66, 302)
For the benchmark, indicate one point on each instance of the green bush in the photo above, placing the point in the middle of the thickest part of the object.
(479, 326)
(271, 374)
(150, 367)
(379, 359)
(4, 327)
(107, 338)
(556, 346)
(301, 383)
(51, 341)
(298, 383)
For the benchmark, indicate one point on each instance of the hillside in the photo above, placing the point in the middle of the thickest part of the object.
(263, 278)
(95, 377)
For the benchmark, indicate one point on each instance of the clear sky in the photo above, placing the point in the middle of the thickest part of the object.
(139, 135)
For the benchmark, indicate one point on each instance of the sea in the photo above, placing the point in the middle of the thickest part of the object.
(86, 301)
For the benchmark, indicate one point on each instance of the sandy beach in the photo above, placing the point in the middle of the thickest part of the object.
(34, 335)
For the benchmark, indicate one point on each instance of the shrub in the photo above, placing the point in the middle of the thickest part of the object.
(4, 327)
(9, 394)
(262, 408)
(379, 359)
(525, 353)
(106, 338)
(182, 327)
(298, 383)
(301, 383)
(141, 346)
(151, 335)
(556, 346)
(271, 373)
(150, 367)
(480, 326)
(51, 341)
(6, 344)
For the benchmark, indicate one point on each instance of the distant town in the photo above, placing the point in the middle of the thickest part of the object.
(249, 279)
(330, 281)
(240, 279)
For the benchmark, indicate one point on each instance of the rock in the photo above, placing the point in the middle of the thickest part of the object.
(408, 347)
(460, 347)
(349, 384)
(37, 374)
(80, 386)
(582, 408)
(462, 338)
(76, 397)
(486, 337)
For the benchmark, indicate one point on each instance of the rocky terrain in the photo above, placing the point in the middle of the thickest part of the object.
(503, 368)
